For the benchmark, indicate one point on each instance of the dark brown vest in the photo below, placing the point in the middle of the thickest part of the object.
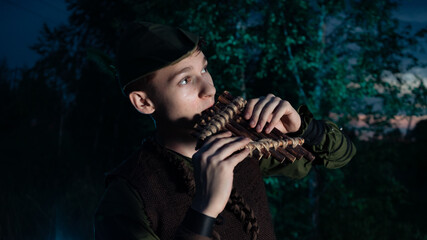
(166, 200)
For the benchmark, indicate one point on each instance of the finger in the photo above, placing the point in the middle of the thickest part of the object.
(215, 150)
(278, 113)
(258, 108)
(230, 148)
(201, 151)
(291, 120)
(266, 113)
(216, 136)
(250, 107)
(237, 158)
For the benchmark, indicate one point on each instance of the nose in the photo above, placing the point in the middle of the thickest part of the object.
(207, 88)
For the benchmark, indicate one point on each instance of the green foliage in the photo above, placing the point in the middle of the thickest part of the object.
(103, 61)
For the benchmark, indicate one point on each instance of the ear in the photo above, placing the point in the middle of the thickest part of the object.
(142, 102)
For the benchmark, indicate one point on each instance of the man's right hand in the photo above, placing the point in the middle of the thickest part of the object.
(213, 171)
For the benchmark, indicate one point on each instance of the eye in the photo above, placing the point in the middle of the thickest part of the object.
(184, 81)
(205, 69)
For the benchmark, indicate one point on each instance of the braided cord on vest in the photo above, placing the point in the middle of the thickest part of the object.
(244, 213)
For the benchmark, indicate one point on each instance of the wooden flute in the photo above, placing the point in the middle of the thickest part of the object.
(227, 114)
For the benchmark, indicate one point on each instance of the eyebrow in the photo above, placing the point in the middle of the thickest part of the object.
(186, 69)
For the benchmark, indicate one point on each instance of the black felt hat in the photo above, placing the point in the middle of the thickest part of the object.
(146, 47)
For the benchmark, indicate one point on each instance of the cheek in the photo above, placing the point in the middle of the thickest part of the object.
(190, 103)
(184, 106)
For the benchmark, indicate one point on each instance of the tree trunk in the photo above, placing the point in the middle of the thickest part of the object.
(315, 184)
(60, 133)
(295, 71)
(318, 90)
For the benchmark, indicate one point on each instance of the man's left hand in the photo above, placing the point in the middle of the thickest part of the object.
(272, 112)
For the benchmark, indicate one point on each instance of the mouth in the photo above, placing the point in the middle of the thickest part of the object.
(209, 106)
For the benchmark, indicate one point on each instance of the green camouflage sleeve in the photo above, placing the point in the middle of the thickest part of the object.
(332, 148)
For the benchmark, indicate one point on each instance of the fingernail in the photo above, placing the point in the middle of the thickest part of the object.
(267, 130)
(252, 123)
(258, 128)
(247, 116)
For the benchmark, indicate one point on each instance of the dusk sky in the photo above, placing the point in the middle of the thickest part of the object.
(21, 21)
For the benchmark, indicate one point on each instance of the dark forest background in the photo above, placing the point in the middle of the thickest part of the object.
(65, 121)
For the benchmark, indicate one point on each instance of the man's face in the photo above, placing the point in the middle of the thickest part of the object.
(182, 90)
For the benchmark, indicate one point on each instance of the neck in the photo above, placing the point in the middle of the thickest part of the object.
(178, 140)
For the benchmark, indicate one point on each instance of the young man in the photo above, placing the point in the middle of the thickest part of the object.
(168, 190)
